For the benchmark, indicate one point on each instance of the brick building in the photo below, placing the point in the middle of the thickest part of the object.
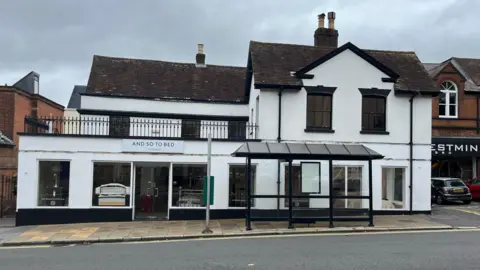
(456, 118)
(17, 101)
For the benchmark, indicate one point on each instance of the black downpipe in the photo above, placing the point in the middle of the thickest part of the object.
(279, 139)
(411, 154)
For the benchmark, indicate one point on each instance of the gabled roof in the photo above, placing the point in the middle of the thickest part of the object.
(160, 79)
(468, 68)
(5, 141)
(273, 63)
(471, 67)
(349, 46)
(74, 102)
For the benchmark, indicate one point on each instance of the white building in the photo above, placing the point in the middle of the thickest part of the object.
(138, 149)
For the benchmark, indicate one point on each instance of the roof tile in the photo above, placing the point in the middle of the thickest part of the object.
(272, 63)
(151, 78)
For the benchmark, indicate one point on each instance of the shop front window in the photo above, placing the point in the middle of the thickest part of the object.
(459, 168)
(347, 181)
(111, 184)
(53, 183)
(238, 185)
(393, 185)
(187, 185)
(296, 188)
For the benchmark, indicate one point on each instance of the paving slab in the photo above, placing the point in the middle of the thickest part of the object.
(160, 230)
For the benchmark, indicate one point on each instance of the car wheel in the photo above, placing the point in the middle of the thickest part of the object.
(439, 199)
(467, 202)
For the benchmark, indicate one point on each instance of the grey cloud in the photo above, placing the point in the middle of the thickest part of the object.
(57, 38)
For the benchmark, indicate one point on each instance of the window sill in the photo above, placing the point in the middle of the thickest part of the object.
(447, 117)
(375, 132)
(319, 130)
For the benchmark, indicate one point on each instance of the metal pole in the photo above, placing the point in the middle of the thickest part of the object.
(209, 161)
(290, 194)
(370, 189)
(249, 194)
(330, 192)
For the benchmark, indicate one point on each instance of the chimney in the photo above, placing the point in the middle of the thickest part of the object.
(321, 20)
(200, 57)
(331, 20)
(326, 37)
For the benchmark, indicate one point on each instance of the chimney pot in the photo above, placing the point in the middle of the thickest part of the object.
(200, 58)
(321, 20)
(331, 20)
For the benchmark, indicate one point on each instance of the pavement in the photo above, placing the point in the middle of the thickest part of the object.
(452, 249)
(167, 230)
(443, 217)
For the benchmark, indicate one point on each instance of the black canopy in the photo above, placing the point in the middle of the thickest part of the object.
(264, 150)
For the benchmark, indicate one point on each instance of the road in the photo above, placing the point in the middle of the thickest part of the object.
(434, 250)
(456, 214)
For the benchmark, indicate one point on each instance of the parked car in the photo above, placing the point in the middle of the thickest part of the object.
(447, 189)
(474, 186)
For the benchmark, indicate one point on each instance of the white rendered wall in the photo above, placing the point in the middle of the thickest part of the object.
(162, 106)
(82, 152)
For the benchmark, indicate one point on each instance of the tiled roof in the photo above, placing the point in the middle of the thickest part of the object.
(74, 102)
(471, 66)
(160, 79)
(273, 63)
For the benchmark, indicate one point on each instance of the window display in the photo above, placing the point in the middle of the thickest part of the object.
(238, 185)
(111, 184)
(393, 183)
(188, 185)
(53, 183)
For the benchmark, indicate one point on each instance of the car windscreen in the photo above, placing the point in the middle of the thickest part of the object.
(454, 183)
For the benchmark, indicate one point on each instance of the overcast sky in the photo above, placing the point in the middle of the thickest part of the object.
(58, 38)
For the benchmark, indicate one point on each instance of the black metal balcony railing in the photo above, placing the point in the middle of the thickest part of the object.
(124, 127)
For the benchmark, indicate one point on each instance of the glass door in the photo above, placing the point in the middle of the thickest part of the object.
(151, 191)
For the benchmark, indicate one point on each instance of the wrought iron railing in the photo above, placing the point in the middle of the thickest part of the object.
(124, 127)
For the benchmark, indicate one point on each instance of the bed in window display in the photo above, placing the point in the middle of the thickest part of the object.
(112, 194)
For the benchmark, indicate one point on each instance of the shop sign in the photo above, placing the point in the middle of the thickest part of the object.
(454, 147)
(152, 146)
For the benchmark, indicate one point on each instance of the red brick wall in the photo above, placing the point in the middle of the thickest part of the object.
(466, 123)
(14, 106)
(8, 160)
(47, 109)
(6, 112)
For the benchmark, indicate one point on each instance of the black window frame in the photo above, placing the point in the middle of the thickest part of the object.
(369, 94)
(237, 130)
(119, 126)
(322, 92)
(372, 113)
(194, 124)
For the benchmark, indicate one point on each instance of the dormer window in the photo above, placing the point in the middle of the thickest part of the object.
(448, 100)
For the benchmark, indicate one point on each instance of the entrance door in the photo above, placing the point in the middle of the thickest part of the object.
(151, 191)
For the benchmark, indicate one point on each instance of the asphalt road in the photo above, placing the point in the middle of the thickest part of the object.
(435, 250)
(457, 214)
